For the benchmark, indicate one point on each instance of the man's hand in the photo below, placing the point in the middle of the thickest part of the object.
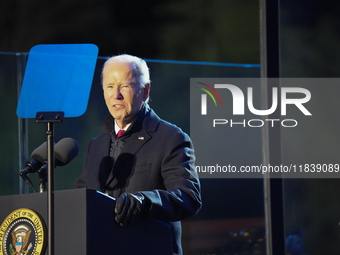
(129, 205)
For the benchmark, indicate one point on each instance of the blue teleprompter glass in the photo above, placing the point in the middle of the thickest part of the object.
(58, 78)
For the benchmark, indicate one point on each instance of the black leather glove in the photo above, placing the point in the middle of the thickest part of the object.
(129, 205)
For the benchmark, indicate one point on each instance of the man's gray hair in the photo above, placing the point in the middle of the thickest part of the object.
(141, 69)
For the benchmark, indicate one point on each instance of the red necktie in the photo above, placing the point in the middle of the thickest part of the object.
(120, 132)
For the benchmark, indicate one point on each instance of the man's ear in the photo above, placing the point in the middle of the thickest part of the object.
(146, 90)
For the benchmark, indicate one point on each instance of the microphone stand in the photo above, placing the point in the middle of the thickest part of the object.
(50, 118)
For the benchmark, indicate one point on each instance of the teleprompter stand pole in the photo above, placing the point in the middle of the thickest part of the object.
(50, 118)
(271, 136)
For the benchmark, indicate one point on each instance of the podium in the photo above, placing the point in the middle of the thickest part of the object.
(84, 224)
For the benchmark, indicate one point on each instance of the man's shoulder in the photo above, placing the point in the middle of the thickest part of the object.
(170, 126)
(166, 127)
(100, 138)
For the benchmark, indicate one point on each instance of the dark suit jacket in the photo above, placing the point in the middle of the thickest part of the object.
(153, 157)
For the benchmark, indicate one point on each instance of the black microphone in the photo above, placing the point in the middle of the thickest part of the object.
(36, 161)
(64, 152)
(33, 164)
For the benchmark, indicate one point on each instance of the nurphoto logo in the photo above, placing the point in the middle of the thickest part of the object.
(295, 96)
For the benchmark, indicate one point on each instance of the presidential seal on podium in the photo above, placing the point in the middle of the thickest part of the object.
(23, 232)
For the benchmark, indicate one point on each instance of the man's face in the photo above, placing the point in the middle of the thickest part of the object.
(123, 94)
